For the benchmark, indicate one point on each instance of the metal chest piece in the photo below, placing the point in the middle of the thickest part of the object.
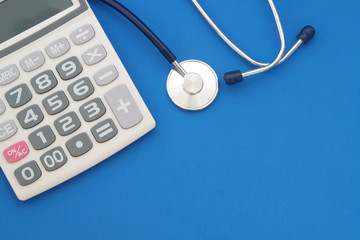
(197, 89)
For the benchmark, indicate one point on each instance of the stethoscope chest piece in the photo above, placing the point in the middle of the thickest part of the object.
(197, 89)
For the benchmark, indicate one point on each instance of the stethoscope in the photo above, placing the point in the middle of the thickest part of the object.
(193, 84)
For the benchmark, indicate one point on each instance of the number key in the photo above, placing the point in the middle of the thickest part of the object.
(69, 68)
(42, 138)
(28, 173)
(81, 89)
(30, 117)
(67, 124)
(53, 159)
(18, 96)
(93, 110)
(44, 82)
(56, 103)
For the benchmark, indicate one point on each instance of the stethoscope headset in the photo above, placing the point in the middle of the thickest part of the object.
(192, 84)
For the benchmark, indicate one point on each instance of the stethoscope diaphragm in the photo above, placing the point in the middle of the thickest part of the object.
(197, 89)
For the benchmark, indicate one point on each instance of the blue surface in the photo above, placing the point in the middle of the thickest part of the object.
(276, 157)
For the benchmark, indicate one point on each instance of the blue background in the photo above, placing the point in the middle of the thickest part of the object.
(276, 157)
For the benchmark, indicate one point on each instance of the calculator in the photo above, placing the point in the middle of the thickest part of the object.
(66, 100)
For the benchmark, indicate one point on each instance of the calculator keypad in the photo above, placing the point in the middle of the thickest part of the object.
(9, 74)
(44, 82)
(63, 108)
(69, 68)
(18, 96)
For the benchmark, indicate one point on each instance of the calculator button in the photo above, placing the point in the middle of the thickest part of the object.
(123, 106)
(69, 68)
(94, 55)
(32, 61)
(7, 130)
(81, 89)
(82, 34)
(106, 75)
(104, 131)
(9, 74)
(44, 82)
(30, 117)
(67, 124)
(57, 48)
(2, 107)
(28, 173)
(42, 138)
(79, 145)
(56, 103)
(16, 152)
(93, 110)
(53, 159)
(18, 96)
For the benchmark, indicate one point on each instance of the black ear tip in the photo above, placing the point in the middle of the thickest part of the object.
(232, 78)
(307, 33)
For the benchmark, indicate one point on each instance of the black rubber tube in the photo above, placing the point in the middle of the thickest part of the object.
(165, 51)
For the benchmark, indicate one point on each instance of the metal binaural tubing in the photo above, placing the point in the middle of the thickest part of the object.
(234, 47)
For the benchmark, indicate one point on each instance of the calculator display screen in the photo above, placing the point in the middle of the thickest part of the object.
(17, 16)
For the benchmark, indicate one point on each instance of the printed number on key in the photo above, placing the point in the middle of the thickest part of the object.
(56, 103)
(81, 89)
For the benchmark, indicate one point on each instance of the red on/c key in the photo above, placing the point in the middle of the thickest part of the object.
(16, 152)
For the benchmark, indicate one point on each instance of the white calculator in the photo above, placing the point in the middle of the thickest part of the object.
(66, 101)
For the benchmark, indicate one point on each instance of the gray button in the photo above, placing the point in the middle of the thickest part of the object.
(104, 131)
(94, 55)
(123, 106)
(7, 130)
(28, 173)
(32, 61)
(53, 159)
(42, 138)
(18, 96)
(79, 145)
(30, 117)
(9, 74)
(57, 48)
(69, 68)
(106, 75)
(82, 34)
(56, 103)
(81, 89)
(67, 124)
(2, 107)
(44, 82)
(93, 110)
